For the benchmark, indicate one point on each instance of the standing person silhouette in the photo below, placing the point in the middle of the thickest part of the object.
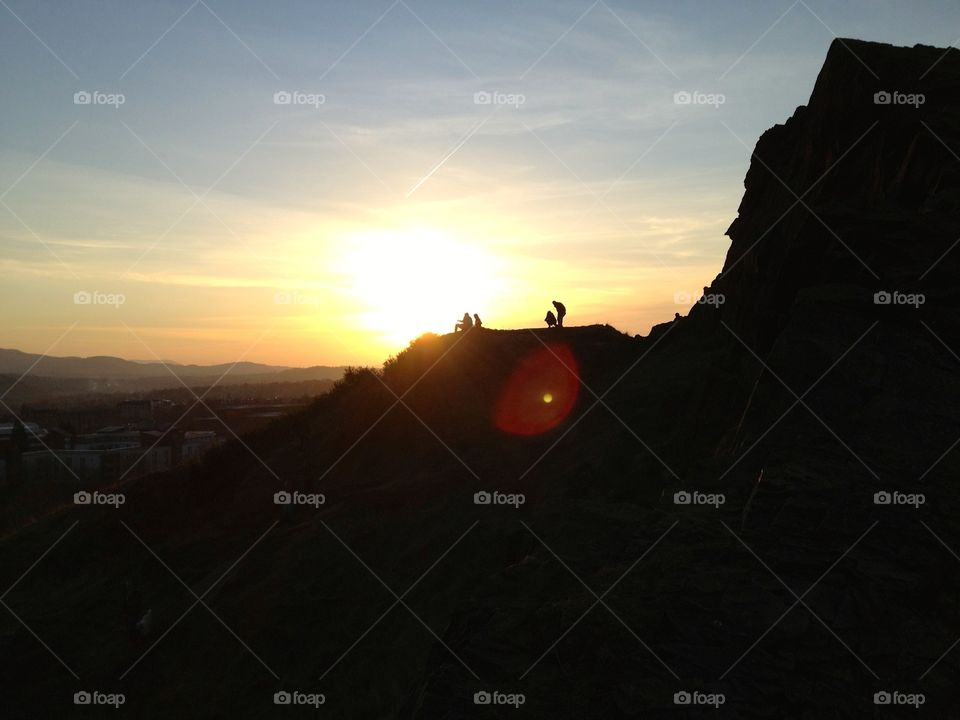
(561, 311)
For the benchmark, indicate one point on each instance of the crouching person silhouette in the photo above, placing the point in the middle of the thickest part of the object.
(465, 324)
(550, 319)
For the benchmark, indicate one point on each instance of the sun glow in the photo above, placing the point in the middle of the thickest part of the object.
(408, 282)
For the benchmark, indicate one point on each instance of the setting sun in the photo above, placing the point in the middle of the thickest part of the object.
(408, 282)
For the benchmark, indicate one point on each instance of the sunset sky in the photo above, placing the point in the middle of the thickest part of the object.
(387, 197)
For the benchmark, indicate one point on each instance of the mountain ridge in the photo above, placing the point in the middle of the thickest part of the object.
(108, 366)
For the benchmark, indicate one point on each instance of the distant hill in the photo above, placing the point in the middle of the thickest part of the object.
(105, 366)
(53, 377)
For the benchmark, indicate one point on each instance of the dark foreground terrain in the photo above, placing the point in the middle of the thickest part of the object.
(788, 407)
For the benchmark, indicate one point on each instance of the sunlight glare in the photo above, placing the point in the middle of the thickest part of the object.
(408, 282)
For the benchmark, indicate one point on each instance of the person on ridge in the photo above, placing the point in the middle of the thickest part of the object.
(550, 319)
(561, 311)
(465, 324)
(477, 323)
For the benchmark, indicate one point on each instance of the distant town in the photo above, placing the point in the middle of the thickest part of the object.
(86, 423)
(99, 442)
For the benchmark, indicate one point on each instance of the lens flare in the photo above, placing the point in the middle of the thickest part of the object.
(540, 393)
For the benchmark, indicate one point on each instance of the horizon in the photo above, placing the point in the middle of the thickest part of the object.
(424, 162)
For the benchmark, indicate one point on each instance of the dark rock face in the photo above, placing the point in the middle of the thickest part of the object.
(872, 207)
(872, 387)
(600, 597)
(849, 191)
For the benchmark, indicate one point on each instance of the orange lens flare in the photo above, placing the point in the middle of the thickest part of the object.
(540, 393)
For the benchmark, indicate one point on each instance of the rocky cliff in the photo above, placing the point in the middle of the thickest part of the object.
(859, 188)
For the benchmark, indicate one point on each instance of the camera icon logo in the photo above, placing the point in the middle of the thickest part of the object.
(682, 497)
(482, 698)
(682, 698)
(882, 698)
(882, 498)
(82, 297)
(82, 698)
(482, 98)
(82, 98)
(282, 498)
(282, 697)
(82, 498)
(682, 98)
(282, 97)
(882, 298)
(482, 498)
(882, 98)
(282, 298)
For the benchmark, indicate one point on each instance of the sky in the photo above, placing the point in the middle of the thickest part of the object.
(301, 182)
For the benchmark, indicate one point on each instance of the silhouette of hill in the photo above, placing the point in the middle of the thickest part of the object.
(49, 377)
(797, 399)
(15, 361)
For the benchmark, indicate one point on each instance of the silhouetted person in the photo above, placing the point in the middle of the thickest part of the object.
(550, 319)
(465, 324)
(477, 322)
(561, 311)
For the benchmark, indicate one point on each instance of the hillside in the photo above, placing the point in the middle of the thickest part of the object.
(797, 400)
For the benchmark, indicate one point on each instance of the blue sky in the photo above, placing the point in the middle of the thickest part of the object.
(597, 186)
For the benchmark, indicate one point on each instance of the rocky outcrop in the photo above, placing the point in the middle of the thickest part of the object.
(851, 192)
